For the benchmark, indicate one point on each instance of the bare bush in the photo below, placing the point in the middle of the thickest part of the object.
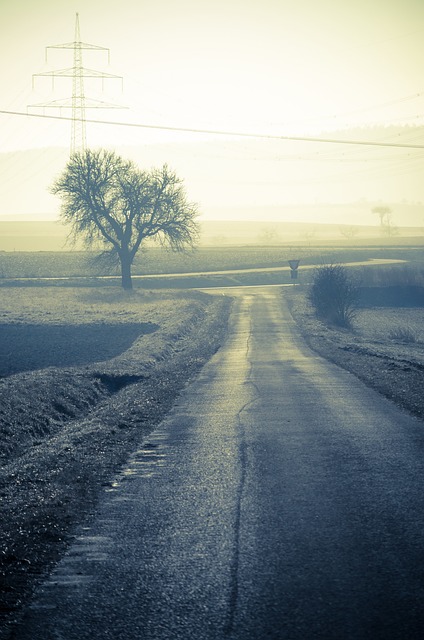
(334, 295)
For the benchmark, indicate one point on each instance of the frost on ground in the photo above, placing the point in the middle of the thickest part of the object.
(385, 348)
(382, 325)
(65, 430)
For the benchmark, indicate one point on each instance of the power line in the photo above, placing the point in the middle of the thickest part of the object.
(78, 103)
(217, 132)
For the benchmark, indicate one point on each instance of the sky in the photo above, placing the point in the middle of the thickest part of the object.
(274, 67)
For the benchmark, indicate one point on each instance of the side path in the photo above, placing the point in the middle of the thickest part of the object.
(281, 498)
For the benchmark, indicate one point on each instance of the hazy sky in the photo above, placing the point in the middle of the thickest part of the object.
(282, 67)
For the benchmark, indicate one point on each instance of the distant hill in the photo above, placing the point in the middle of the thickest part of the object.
(32, 236)
(263, 233)
(357, 213)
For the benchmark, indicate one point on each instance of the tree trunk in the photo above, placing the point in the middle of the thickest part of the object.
(126, 272)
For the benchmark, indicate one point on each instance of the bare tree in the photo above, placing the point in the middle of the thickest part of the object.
(349, 232)
(386, 225)
(269, 235)
(108, 199)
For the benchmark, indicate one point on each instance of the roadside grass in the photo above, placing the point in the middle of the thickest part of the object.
(81, 305)
(63, 350)
(403, 334)
(65, 431)
(380, 324)
(391, 313)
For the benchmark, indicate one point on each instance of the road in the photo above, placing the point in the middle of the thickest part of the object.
(280, 499)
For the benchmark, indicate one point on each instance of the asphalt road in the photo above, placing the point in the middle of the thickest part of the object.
(280, 499)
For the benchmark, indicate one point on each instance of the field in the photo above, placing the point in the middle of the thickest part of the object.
(63, 326)
(64, 342)
(156, 261)
(392, 325)
(152, 261)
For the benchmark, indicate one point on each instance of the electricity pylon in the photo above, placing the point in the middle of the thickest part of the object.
(78, 102)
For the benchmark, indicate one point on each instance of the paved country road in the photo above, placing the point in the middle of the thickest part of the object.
(280, 499)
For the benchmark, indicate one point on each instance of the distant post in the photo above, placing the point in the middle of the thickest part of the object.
(294, 265)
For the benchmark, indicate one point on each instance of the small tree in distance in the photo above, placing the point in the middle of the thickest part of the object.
(349, 232)
(108, 199)
(386, 225)
(383, 213)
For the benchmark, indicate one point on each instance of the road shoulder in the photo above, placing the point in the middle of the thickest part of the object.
(391, 368)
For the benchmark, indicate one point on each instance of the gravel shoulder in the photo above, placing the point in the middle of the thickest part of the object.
(391, 366)
(66, 431)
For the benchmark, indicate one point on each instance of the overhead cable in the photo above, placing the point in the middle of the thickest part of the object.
(216, 132)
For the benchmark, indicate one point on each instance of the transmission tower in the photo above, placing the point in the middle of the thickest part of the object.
(78, 103)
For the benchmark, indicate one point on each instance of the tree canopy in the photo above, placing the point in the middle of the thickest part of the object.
(109, 199)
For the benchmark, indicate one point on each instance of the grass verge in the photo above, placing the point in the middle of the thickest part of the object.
(52, 479)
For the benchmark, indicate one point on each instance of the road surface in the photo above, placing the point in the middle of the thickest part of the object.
(280, 499)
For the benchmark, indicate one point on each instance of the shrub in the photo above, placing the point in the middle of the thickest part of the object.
(334, 295)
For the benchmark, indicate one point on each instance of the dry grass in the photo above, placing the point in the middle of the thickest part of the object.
(375, 350)
(394, 275)
(86, 339)
(381, 324)
(74, 305)
(63, 326)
